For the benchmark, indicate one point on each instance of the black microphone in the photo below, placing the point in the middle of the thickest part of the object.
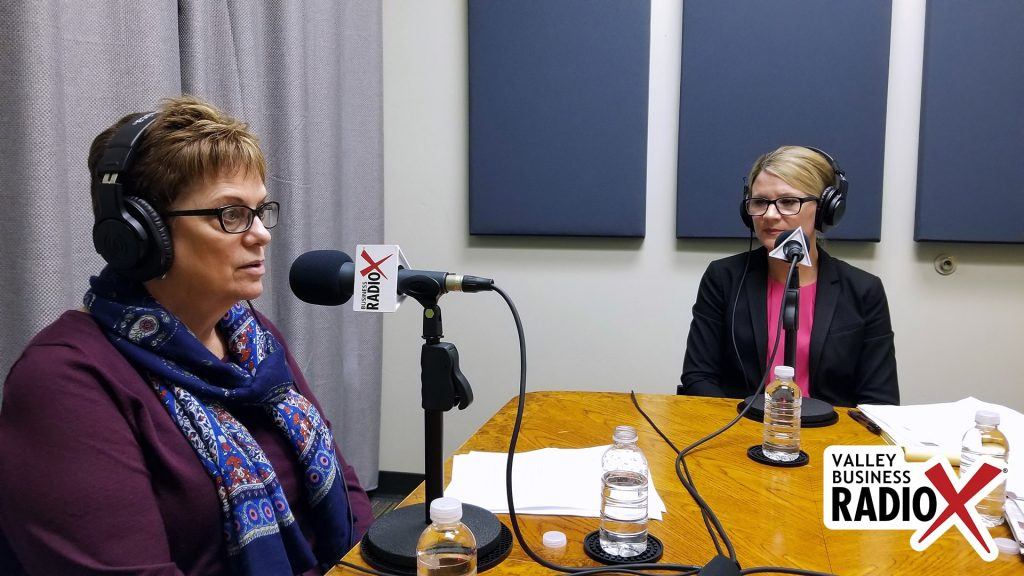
(324, 277)
(793, 249)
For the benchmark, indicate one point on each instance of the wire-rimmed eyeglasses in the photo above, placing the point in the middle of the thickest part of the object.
(786, 205)
(237, 218)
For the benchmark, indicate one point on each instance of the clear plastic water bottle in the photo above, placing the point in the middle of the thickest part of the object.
(624, 496)
(985, 439)
(782, 417)
(446, 547)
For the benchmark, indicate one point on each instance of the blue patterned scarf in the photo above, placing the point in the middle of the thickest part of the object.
(198, 390)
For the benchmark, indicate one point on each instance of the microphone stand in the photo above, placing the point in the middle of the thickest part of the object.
(442, 387)
(791, 315)
(390, 543)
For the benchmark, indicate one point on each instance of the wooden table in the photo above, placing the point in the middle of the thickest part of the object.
(773, 515)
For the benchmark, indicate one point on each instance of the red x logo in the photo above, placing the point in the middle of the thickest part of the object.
(373, 265)
(956, 501)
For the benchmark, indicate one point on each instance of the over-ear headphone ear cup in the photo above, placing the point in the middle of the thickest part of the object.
(120, 242)
(820, 219)
(830, 209)
(838, 209)
(160, 250)
(747, 220)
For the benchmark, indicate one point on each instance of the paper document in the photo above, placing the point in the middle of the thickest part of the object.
(928, 429)
(554, 481)
(1015, 518)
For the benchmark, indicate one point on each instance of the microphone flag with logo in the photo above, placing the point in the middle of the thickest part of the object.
(375, 282)
(784, 246)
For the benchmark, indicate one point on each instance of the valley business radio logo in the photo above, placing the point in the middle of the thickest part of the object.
(875, 488)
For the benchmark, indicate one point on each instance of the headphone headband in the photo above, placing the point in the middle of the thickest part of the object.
(114, 164)
(128, 232)
(838, 176)
(120, 151)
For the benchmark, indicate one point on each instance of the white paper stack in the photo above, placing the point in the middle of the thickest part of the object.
(1015, 518)
(553, 481)
(939, 429)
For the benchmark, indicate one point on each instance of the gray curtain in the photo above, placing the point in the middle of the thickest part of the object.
(306, 75)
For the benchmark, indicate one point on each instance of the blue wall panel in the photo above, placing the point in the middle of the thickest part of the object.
(760, 74)
(558, 116)
(971, 163)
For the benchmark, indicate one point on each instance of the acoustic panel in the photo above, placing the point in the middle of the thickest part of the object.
(757, 75)
(972, 126)
(558, 116)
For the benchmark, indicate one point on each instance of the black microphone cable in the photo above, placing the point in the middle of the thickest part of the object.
(682, 470)
(705, 515)
(640, 568)
(710, 520)
(735, 302)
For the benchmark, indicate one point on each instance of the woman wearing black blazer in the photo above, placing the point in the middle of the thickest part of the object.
(845, 353)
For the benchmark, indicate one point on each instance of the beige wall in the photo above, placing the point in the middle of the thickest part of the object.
(606, 314)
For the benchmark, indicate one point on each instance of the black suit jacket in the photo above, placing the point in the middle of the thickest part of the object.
(852, 356)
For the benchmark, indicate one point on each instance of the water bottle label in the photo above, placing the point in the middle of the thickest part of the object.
(875, 488)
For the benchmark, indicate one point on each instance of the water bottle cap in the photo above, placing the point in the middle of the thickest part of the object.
(624, 435)
(554, 539)
(445, 510)
(987, 417)
(1007, 546)
(784, 372)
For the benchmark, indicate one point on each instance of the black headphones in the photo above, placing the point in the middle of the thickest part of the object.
(831, 205)
(128, 233)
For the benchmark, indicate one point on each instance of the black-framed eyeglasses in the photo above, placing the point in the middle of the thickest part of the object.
(787, 205)
(237, 218)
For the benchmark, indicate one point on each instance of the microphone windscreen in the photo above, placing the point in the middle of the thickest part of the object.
(784, 236)
(322, 277)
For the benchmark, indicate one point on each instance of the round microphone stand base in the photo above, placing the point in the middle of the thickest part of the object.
(390, 544)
